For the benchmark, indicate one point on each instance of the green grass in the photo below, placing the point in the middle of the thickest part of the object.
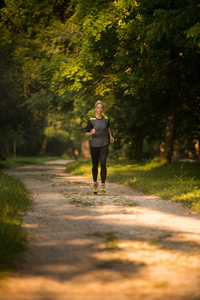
(12, 162)
(80, 167)
(14, 202)
(176, 182)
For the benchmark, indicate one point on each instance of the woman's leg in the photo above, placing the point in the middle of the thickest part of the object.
(95, 161)
(103, 156)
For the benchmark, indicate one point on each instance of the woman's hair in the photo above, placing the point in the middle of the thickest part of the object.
(98, 102)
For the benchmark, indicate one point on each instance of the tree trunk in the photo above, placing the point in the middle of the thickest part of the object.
(197, 149)
(174, 78)
(43, 146)
(138, 155)
(169, 137)
(85, 148)
(5, 149)
(14, 148)
(135, 149)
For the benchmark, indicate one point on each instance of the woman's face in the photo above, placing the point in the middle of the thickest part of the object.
(99, 109)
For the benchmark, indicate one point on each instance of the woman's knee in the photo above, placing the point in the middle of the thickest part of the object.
(103, 163)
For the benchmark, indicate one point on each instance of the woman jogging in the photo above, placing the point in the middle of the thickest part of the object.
(97, 127)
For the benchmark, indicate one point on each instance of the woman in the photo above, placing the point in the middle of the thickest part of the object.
(97, 127)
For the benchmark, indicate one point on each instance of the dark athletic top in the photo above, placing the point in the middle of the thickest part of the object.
(99, 138)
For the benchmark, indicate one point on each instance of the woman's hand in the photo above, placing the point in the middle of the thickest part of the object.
(111, 139)
(88, 134)
(93, 130)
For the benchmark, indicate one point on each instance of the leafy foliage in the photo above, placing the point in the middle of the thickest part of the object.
(140, 57)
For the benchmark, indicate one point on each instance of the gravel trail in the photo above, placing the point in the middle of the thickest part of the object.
(118, 246)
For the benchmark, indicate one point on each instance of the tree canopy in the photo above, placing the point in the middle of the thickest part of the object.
(142, 58)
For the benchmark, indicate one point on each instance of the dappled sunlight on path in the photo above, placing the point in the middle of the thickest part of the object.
(122, 245)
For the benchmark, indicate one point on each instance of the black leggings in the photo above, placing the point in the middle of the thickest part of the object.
(99, 154)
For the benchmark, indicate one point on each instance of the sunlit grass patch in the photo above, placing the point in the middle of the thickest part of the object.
(80, 167)
(176, 182)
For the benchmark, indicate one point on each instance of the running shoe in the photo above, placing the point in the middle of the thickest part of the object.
(95, 189)
(103, 189)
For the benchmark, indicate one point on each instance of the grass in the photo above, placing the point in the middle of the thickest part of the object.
(15, 200)
(12, 162)
(80, 167)
(178, 181)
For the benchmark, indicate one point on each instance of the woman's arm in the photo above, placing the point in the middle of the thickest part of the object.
(111, 137)
(91, 132)
(88, 128)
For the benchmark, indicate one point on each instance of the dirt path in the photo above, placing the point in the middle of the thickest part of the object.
(117, 246)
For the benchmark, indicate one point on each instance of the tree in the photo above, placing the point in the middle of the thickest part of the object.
(141, 58)
(26, 28)
(167, 24)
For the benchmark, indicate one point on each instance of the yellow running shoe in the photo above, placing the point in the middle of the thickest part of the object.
(95, 189)
(103, 189)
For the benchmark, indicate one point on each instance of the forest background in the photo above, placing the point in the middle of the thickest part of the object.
(141, 58)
